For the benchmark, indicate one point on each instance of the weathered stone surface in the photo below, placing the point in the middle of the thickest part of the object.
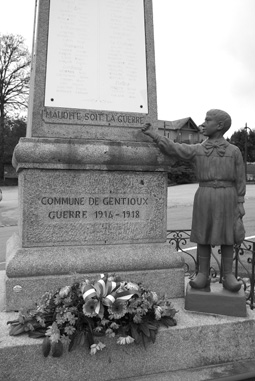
(71, 207)
(21, 262)
(80, 154)
(231, 371)
(216, 300)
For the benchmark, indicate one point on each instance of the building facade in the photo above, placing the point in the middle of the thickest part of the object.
(182, 131)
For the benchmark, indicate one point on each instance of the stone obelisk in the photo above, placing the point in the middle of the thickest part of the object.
(92, 187)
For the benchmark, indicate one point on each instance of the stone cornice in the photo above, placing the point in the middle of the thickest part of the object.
(57, 153)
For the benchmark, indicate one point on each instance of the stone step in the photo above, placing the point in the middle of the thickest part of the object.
(233, 371)
(200, 347)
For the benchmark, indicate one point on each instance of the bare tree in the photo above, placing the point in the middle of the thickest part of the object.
(14, 81)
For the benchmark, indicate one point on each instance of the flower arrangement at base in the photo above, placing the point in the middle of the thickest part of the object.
(78, 314)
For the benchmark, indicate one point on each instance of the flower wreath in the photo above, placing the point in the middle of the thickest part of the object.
(76, 314)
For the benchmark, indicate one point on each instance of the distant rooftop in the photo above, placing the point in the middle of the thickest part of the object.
(180, 123)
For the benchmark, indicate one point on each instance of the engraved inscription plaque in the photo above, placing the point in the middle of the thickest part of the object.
(96, 55)
(94, 208)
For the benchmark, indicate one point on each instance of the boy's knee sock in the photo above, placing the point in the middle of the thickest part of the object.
(204, 265)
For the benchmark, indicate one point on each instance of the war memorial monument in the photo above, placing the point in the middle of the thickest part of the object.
(92, 190)
(93, 198)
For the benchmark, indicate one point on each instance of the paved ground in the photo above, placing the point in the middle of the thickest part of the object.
(8, 219)
(180, 204)
(9, 207)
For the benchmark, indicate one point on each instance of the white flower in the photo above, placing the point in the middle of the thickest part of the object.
(53, 332)
(69, 330)
(154, 296)
(125, 340)
(98, 329)
(104, 321)
(158, 312)
(70, 317)
(40, 320)
(93, 349)
(55, 337)
(65, 339)
(114, 325)
(96, 347)
(64, 291)
(109, 332)
(132, 286)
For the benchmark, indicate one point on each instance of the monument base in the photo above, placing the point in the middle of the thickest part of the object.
(30, 272)
(216, 300)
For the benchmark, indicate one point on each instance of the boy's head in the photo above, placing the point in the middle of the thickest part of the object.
(221, 117)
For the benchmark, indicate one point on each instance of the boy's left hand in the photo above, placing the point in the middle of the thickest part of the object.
(241, 209)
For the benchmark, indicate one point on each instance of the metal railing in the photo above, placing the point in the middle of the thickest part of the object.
(243, 260)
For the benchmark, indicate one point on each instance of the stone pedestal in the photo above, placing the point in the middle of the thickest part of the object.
(216, 300)
(87, 209)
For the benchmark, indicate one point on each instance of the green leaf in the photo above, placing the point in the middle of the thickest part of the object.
(90, 338)
(75, 340)
(36, 334)
(135, 334)
(143, 340)
(57, 349)
(152, 326)
(15, 322)
(144, 328)
(79, 337)
(168, 321)
(16, 329)
(82, 338)
(89, 322)
(153, 335)
(46, 346)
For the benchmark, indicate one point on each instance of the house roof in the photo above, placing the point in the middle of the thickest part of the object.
(181, 123)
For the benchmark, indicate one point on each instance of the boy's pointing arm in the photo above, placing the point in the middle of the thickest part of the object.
(167, 146)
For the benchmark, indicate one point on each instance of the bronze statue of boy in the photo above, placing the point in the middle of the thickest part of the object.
(218, 203)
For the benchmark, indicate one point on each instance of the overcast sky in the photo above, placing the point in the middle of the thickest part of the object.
(205, 55)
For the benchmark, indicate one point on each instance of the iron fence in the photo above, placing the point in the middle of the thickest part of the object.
(243, 260)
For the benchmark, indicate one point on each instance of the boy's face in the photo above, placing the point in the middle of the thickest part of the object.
(211, 126)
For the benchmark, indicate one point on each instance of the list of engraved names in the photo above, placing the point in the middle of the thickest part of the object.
(96, 55)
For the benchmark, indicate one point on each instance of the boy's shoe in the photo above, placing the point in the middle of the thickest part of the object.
(230, 283)
(201, 281)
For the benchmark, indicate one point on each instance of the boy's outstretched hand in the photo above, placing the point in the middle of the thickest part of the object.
(147, 129)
